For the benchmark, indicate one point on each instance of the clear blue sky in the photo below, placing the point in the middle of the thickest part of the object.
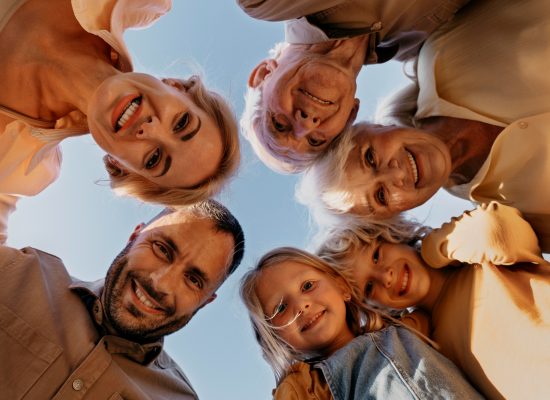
(82, 222)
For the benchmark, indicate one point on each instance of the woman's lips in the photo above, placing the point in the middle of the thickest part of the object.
(126, 112)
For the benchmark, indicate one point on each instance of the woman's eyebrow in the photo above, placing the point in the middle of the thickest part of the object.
(167, 163)
(191, 134)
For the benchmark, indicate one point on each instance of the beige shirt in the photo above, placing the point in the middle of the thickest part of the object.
(490, 64)
(30, 156)
(493, 321)
(397, 28)
(53, 344)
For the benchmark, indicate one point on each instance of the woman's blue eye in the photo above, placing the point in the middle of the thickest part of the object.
(376, 255)
(278, 125)
(153, 160)
(314, 142)
(182, 122)
(369, 157)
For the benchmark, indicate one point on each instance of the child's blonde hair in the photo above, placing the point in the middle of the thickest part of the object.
(279, 354)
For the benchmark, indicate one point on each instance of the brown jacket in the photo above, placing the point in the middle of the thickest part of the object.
(53, 345)
(303, 382)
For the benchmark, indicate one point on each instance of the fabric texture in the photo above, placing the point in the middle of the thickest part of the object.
(490, 319)
(501, 80)
(397, 28)
(30, 155)
(54, 344)
(391, 363)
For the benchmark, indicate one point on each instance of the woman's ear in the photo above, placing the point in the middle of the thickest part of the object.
(113, 167)
(261, 71)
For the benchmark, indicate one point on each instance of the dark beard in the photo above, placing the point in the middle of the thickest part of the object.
(134, 330)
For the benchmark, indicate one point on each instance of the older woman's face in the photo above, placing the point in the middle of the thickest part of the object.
(391, 275)
(393, 169)
(307, 103)
(155, 130)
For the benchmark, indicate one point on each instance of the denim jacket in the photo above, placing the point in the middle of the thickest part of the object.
(393, 363)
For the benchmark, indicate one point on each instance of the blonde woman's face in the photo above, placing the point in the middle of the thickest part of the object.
(391, 275)
(155, 129)
(305, 306)
(394, 169)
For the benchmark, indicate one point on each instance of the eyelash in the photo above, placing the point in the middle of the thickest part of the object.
(381, 196)
(165, 251)
(182, 123)
(376, 255)
(310, 285)
(369, 157)
(195, 281)
(153, 159)
(368, 289)
(279, 127)
(313, 142)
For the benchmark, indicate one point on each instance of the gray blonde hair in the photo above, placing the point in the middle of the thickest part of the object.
(131, 184)
(279, 354)
(253, 127)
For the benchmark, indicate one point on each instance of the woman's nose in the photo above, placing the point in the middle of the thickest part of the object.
(306, 121)
(394, 174)
(385, 276)
(148, 127)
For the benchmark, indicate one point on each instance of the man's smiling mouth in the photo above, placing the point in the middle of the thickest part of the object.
(145, 299)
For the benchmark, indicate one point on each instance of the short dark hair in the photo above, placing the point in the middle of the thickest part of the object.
(224, 221)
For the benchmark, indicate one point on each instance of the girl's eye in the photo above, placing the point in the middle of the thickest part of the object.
(376, 255)
(182, 122)
(308, 285)
(369, 157)
(163, 251)
(280, 308)
(381, 196)
(368, 289)
(280, 126)
(314, 142)
(153, 159)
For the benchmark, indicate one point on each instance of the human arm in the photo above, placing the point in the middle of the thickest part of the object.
(490, 233)
(282, 10)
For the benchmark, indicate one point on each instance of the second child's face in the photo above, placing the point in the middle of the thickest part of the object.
(306, 305)
(392, 275)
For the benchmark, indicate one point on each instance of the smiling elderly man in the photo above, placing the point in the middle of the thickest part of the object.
(303, 97)
(62, 338)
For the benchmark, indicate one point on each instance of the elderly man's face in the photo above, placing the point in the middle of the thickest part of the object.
(169, 270)
(307, 101)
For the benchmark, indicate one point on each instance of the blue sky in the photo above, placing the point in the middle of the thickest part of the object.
(81, 221)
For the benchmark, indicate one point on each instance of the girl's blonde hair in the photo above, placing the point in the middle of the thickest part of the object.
(131, 184)
(279, 354)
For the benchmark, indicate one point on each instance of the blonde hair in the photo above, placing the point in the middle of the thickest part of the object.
(279, 354)
(131, 184)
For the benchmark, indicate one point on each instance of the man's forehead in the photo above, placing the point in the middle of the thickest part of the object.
(179, 219)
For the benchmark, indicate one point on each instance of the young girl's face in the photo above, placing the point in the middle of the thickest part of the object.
(307, 305)
(392, 275)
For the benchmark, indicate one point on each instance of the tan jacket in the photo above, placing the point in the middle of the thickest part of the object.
(397, 27)
(53, 344)
(303, 383)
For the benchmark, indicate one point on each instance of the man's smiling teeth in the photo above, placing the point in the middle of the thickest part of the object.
(128, 112)
(414, 167)
(312, 320)
(314, 98)
(405, 281)
(141, 296)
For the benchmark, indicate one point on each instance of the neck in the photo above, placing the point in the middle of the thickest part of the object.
(438, 278)
(469, 143)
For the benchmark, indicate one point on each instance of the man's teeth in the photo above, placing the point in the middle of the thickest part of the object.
(414, 167)
(314, 98)
(405, 281)
(141, 296)
(128, 112)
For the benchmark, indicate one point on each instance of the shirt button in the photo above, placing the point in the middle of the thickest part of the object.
(523, 124)
(376, 26)
(78, 384)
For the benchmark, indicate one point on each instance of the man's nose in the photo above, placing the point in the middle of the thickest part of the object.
(306, 121)
(164, 279)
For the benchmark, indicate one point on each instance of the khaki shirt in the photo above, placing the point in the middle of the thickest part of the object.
(53, 344)
(397, 27)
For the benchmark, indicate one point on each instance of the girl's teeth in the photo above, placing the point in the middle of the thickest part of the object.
(405, 281)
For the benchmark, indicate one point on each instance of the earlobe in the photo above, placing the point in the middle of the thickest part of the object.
(211, 298)
(260, 72)
(136, 232)
(354, 111)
